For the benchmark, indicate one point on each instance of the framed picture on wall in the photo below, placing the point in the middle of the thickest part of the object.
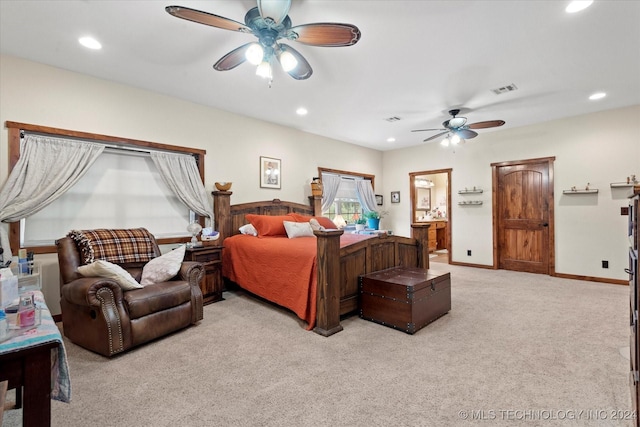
(270, 172)
(424, 198)
(379, 199)
(395, 197)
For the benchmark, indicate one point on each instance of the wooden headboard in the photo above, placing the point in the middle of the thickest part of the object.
(229, 218)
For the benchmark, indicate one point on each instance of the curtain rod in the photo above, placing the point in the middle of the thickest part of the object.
(124, 146)
(351, 177)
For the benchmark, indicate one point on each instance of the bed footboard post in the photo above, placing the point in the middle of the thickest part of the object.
(328, 287)
(420, 232)
(222, 212)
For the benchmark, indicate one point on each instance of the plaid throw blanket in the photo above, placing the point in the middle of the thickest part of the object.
(114, 245)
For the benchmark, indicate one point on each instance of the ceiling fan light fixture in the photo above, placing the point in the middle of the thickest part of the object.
(445, 141)
(255, 54)
(276, 10)
(287, 60)
(455, 139)
(457, 122)
(264, 70)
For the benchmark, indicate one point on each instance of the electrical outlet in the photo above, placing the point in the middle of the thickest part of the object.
(605, 264)
(468, 252)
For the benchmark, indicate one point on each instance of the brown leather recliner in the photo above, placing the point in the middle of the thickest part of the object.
(98, 315)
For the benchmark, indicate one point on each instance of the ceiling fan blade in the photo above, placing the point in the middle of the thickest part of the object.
(422, 130)
(302, 70)
(207, 19)
(277, 10)
(435, 136)
(466, 133)
(232, 59)
(487, 124)
(325, 34)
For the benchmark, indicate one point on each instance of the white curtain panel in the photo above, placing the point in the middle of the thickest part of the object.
(180, 173)
(365, 194)
(330, 185)
(47, 168)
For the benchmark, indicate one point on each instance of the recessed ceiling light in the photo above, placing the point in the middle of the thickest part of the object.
(597, 95)
(578, 5)
(90, 43)
(301, 111)
(391, 139)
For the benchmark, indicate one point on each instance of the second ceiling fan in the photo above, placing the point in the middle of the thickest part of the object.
(457, 129)
(270, 23)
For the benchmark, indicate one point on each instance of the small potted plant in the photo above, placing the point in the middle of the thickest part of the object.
(360, 224)
(373, 219)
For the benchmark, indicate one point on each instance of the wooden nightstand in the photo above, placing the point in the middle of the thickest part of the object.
(211, 257)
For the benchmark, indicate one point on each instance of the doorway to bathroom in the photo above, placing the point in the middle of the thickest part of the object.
(431, 202)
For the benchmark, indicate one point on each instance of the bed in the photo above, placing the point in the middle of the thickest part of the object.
(329, 274)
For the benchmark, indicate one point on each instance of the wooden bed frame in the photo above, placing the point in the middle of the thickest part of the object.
(338, 268)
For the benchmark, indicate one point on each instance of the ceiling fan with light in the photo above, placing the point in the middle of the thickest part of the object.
(457, 130)
(270, 23)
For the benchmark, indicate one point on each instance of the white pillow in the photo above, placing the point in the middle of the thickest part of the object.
(248, 229)
(164, 267)
(298, 229)
(101, 268)
(315, 225)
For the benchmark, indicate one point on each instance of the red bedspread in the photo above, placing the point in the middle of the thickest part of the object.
(279, 269)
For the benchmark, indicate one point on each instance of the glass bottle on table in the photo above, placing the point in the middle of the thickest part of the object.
(26, 312)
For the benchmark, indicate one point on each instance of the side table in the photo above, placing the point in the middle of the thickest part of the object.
(211, 257)
(35, 362)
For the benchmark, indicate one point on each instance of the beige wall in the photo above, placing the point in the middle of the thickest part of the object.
(598, 148)
(42, 95)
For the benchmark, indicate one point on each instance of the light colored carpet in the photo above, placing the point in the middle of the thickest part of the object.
(517, 349)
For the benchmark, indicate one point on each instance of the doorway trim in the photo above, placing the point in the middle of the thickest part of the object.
(412, 195)
(495, 207)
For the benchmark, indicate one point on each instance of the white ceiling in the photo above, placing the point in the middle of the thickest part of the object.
(415, 60)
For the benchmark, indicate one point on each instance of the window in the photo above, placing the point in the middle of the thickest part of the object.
(346, 205)
(123, 189)
(128, 176)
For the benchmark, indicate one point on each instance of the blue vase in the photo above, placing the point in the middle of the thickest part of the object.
(373, 223)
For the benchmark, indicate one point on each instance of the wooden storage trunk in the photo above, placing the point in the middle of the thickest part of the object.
(405, 298)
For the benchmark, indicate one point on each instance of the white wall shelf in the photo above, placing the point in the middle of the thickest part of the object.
(473, 191)
(622, 184)
(590, 191)
(470, 203)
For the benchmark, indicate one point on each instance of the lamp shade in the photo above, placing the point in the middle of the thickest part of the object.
(339, 221)
(274, 9)
(264, 70)
(287, 60)
(254, 53)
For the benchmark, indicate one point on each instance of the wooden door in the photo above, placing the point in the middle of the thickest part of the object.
(523, 213)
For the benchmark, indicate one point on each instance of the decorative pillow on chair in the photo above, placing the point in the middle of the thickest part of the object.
(101, 268)
(298, 229)
(164, 267)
